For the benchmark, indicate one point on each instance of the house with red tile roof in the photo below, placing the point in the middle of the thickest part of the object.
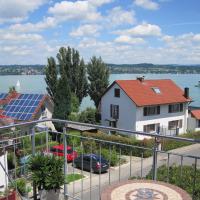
(152, 106)
(194, 119)
(16, 107)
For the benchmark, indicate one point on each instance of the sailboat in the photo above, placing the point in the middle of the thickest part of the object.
(18, 85)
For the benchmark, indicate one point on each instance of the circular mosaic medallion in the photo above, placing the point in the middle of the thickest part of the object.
(146, 194)
(144, 190)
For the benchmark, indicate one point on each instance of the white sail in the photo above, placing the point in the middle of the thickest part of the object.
(18, 86)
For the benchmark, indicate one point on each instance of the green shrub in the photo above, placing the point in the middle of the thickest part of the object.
(113, 157)
(47, 171)
(172, 144)
(21, 186)
(186, 182)
(123, 140)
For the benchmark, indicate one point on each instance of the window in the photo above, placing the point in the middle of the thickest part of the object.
(156, 90)
(114, 111)
(151, 110)
(198, 123)
(176, 108)
(150, 128)
(175, 124)
(117, 92)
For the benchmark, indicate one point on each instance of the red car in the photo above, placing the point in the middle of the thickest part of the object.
(58, 150)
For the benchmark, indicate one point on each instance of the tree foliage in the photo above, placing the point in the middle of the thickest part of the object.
(75, 70)
(98, 75)
(51, 77)
(68, 89)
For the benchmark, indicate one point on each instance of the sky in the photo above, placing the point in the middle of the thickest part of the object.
(120, 31)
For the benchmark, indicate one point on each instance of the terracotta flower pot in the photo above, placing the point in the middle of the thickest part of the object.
(11, 196)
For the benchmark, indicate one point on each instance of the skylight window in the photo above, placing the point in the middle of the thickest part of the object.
(156, 90)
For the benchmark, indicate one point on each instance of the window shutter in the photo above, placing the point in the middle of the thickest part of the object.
(181, 107)
(111, 110)
(158, 110)
(117, 112)
(170, 108)
(145, 111)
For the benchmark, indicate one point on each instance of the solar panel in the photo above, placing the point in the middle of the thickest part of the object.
(3, 95)
(23, 107)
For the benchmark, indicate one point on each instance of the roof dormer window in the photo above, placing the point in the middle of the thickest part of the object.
(156, 90)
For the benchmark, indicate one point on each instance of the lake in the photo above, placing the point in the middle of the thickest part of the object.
(36, 84)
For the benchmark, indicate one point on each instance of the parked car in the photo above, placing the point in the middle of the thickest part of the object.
(58, 150)
(92, 162)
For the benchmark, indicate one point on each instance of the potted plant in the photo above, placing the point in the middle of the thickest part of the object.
(47, 174)
(8, 194)
(21, 186)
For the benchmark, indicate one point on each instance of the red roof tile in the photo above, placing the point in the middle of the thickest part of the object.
(196, 114)
(142, 93)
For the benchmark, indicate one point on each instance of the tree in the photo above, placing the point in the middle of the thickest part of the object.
(51, 77)
(75, 70)
(98, 75)
(12, 89)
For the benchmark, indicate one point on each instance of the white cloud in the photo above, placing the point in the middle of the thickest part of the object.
(98, 3)
(129, 40)
(17, 10)
(147, 4)
(48, 22)
(118, 16)
(78, 10)
(141, 30)
(19, 38)
(86, 30)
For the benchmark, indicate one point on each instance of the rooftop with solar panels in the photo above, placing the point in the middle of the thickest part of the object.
(23, 107)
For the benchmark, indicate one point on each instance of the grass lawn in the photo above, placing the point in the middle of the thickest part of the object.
(73, 177)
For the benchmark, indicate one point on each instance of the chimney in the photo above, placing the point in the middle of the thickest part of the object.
(140, 78)
(186, 93)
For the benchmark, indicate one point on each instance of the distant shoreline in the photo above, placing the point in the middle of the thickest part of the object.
(142, 68)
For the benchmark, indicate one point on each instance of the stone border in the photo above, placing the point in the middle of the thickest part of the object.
(106, 194)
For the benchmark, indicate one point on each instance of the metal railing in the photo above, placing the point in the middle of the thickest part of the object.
(125, 160)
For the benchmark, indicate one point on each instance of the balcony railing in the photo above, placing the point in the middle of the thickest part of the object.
(127, 165)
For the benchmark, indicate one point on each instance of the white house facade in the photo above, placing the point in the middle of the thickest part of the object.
(146, 105)
(194, 120)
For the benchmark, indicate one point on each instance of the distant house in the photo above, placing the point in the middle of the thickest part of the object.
(194, 119)
(16, 108)
(150, 106)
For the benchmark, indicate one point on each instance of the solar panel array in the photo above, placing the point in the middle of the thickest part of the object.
(23, 107)
(3, 95)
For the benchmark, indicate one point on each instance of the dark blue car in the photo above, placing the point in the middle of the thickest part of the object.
(91, 162)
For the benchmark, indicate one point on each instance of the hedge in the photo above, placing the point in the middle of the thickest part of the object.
(147, 143)
(186, 182)
(126, 150)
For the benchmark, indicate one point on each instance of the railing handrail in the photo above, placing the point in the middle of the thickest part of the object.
(102, 127)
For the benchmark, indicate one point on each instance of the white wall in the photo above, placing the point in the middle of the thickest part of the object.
(163, 118)
(127, 109)
(3, 177)
(48, 114)
(193, 124)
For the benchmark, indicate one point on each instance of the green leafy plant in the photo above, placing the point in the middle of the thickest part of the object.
(47, 171)
(21, 186)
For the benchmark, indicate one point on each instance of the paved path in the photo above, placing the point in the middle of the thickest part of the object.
(126, 171)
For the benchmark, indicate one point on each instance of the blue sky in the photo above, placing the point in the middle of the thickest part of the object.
(120, 31)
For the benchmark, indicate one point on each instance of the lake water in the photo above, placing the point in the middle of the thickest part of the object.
(36, 84)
